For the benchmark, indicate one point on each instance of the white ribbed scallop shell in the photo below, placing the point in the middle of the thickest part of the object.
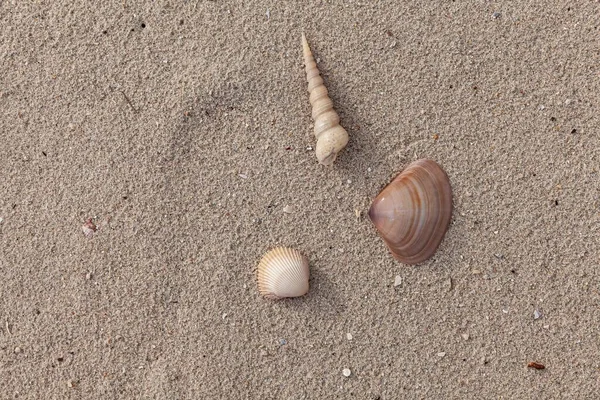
(283, 272)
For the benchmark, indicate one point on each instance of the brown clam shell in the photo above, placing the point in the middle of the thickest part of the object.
(413, 212)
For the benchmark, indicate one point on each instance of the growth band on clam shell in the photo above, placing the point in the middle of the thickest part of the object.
(413, 212)
(283, 272)
(331, 136)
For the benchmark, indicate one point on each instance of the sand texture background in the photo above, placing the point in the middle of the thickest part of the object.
(182, 128)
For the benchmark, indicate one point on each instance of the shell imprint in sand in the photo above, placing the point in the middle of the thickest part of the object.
(412, 213)
(283, 272)
(331, 136)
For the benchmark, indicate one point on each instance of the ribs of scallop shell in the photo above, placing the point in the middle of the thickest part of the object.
(331, 136)
(283, 272)
(413, 212)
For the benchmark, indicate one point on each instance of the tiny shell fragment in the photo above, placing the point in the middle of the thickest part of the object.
(89, 228)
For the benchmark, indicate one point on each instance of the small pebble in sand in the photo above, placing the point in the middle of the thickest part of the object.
(496, 15)
(536, 365)
(88, 276)
(349, 336)
(309, 148)
(537, 314)
(449, 284)
(282, 342)
(441, 354)
(243, 176)
(349, 181)
(288, 209)
(465, 336)
(346, 372)
(268, 14)
(18, 350)
(397, 281)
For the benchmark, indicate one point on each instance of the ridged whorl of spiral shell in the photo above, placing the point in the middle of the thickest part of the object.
(331, 136)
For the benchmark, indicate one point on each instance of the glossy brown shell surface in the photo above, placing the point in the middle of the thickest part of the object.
(413, 212)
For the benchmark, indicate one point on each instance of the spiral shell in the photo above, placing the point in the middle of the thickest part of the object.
(413, 212)
(331, 136)
(283, 272)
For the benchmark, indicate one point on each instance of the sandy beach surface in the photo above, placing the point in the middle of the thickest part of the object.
(183, 130)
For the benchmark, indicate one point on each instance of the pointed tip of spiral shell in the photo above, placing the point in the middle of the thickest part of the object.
(283, 272)
(305, 46)
(413, 212)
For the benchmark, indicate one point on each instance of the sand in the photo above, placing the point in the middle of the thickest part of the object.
(183, 130)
